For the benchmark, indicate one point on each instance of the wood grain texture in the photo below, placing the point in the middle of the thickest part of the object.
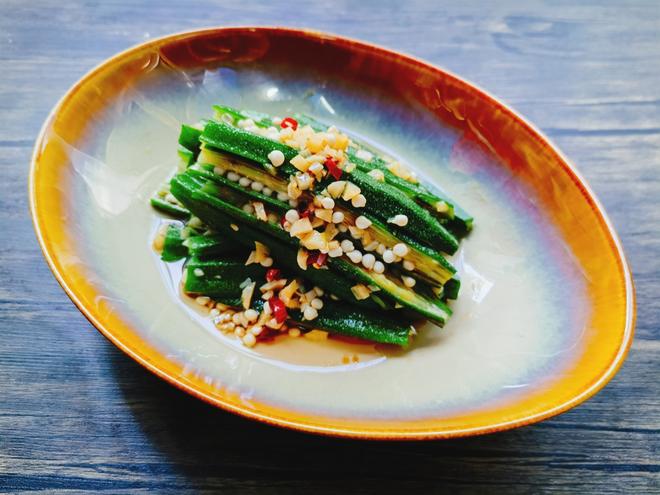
(78, 416)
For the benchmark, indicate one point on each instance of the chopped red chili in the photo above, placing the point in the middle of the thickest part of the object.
(334, 170)
(317, 259)
(289, 122)
(279, 309)
(273, 274)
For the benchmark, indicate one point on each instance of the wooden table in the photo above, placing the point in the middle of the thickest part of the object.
(77, 415)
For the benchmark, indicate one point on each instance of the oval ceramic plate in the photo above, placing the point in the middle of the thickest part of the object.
(546, 312)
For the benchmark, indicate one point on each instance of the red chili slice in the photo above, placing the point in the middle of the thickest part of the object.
(278, 308)
(317, 259)
(273, 274)
(331, 164)
(289, 122)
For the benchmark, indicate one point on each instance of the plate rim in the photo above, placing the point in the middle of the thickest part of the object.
(358, 433)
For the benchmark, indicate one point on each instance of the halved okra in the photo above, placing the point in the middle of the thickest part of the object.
(191, 190)
(173, 246)
(223, 279)
(169, 208)
(455, 218)
(429, 263)
(383, 200)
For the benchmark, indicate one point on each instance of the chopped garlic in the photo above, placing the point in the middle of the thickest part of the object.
(360, 291)
(350, 191)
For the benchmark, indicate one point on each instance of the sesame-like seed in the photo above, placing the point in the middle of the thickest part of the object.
(256, 330)
(310, 313)
(388, 256)
(328, 203)
(379, 267)
(408, 281)
(239, 331)
(359, 201)
(251, 315)
(362, 222)
(368, 261)
(198, 272)
(234, 227)
(400, 249)
(233, 176)
(236, 318)
(257, 186)
(282, 196)
(292, 216)
(249, 340)
(400, 220)
(347, 246)
(316, 303)
(276, 157)
(338, 217)
(408, 265)
(244, 182)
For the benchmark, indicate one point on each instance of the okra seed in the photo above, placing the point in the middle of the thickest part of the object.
(310, 313)
(233, 176)
(292, 216)
(400, 249)
(328, 203)
(276, 157)
(316, 303)
(347, 246)
(408, 265)
(368, 261)
(379, 267)
(408, 281)
(362, 222)
(400, 220)
(355, 256)
(388, 256)
(257, 186)
(338, 217)
(244, 182)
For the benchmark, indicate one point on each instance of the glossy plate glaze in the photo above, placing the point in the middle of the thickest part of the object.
(546, 313)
